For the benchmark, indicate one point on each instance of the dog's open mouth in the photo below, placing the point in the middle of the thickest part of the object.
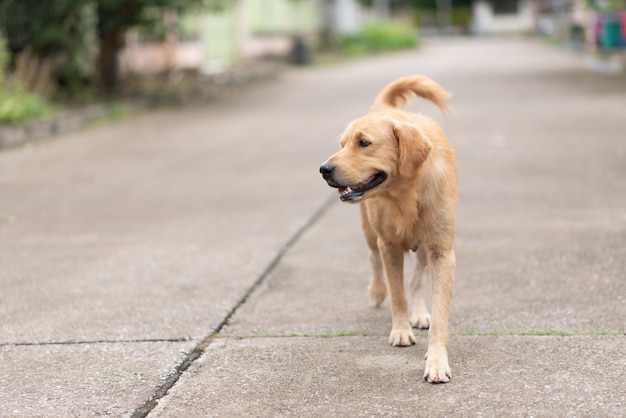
(355, 192)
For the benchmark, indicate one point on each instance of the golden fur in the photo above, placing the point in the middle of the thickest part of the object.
(414, 207)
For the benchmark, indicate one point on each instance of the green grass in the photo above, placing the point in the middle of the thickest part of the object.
(117, 111)
(294, 335)
(337, 334)
(379, 37)
(114, 112)
(424, 333)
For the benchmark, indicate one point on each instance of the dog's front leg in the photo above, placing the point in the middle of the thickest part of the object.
(393, 261)
(437, 369)
(377, 287)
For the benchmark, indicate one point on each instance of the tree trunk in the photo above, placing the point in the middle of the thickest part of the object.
(114, 18)
(108, 69)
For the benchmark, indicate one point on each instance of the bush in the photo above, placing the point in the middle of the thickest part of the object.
(16, 104)
(378, 37)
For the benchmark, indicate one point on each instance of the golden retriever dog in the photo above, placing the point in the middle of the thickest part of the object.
(400, 168)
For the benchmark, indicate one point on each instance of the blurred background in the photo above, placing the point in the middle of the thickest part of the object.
(75, 52)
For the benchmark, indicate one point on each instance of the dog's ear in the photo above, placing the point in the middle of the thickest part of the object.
(413, 148)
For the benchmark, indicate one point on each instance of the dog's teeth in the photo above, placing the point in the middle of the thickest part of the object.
(346, 191)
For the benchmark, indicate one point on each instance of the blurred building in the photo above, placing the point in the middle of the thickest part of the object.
(211, 41)
(586, 24)
(502, 17)
(556, 18)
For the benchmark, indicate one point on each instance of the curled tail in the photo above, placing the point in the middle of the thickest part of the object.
(398, 92)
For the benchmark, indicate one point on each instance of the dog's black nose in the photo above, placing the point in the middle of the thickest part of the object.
(327, 169)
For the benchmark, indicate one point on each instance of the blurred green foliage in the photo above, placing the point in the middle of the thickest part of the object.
(46, 27)
(80, 39)
(380, 36)
(4, 58)
(607, 5)
(16, 104)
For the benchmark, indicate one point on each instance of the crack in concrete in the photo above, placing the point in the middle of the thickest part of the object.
(215, 335)
(83, 342)
(199, 349)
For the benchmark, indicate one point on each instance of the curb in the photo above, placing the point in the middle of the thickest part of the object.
(35, 130)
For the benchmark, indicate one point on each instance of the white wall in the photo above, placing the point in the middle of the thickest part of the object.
(485, 22)
(348, 17)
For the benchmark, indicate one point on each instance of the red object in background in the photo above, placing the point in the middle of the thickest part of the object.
(596, 24)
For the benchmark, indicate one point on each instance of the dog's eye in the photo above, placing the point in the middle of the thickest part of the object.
(363, 143)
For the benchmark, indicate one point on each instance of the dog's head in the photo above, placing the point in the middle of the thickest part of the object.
(377, 150)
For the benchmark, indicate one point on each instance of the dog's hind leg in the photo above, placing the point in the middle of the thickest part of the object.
(377, 288)
(420, 318)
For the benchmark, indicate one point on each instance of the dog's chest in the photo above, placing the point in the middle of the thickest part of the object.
(398, 225)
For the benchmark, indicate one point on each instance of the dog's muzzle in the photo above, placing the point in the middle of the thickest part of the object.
(351, 193)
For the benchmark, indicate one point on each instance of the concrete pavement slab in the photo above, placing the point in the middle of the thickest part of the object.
(363, 376)
(89, 379)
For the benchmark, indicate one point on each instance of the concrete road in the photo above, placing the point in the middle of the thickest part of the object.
(193, 263)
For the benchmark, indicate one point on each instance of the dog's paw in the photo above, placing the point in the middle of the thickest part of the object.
(437, 369)
(401, 337)
(378, 292)
(420, 320)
